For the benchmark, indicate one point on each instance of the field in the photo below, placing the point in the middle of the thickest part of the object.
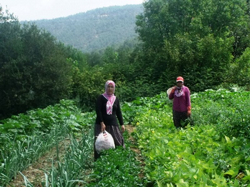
(54, 146)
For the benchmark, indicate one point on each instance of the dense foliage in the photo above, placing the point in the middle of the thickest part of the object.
(25, 137)
(213, 151)
(117, 168)
(207, 42)
(196, 39)
(34, 70)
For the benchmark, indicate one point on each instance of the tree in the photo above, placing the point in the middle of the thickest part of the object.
(240, 70)
(6, 16)
(34, 69)
(196, 39)
(110, 55)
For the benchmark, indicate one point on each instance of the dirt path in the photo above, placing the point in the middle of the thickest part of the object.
(130, 129)
(35, 172)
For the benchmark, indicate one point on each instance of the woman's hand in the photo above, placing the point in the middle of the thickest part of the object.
(103, 126)
(189, 111)
(123, 128)
(173, 89)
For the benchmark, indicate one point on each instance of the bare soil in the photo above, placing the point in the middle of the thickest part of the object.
(130, 129)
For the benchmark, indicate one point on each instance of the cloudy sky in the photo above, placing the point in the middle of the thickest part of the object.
(49, 9)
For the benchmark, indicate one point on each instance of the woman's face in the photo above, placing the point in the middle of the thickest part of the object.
(179, 84)
(110, 89)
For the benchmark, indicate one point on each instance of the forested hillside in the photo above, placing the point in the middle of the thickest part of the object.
(96, 29)
(207, 42)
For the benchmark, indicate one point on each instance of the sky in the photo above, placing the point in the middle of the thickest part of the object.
(28, 10)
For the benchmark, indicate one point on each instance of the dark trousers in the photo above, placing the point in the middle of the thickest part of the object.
(179, 118)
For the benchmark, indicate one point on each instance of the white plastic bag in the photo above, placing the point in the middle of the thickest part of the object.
(104, 141)
(168, 93)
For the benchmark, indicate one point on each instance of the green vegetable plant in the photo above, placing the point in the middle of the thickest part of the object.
(214, 151)
(117, 167)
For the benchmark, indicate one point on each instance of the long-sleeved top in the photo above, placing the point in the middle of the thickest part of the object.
(180, 104)
(102, 115)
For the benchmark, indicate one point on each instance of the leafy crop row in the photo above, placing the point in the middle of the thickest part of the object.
(213, 152)
(119, 167)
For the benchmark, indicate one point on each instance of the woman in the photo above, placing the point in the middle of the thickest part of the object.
(108, 110)
(181, 103)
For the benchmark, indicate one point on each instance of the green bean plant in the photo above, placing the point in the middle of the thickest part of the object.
(214, 151)
(117, 167)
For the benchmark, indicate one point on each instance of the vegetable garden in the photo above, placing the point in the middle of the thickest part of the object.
(213, 150)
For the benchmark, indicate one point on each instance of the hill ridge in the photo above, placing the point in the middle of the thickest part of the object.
(95, 29)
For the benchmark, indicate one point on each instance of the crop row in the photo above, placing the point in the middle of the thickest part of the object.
(213, 151)
(206, 154)
(24, 138)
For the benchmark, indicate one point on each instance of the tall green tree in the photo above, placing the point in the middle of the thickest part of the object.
(34, 68)
(197, 39)
(240, 70)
